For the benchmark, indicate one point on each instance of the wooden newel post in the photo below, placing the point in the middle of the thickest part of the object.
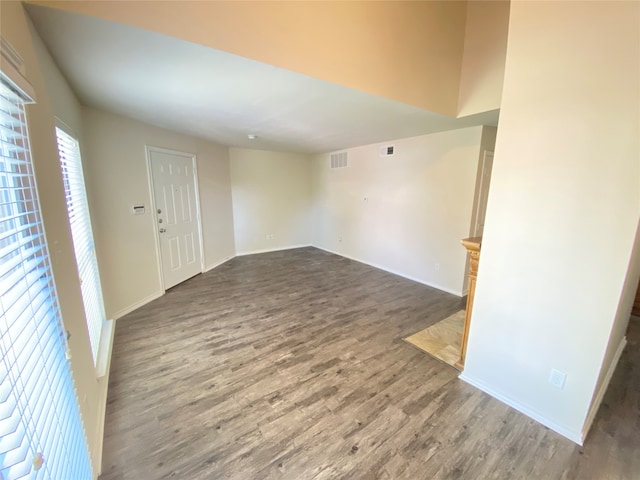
(473, 247)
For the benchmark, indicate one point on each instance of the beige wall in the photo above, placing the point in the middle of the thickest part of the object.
(271, 197)
(563, 208)
(116, 178)
(91, 391)
(66, 107)
(405, 213)
(406, 51)
(485, 49)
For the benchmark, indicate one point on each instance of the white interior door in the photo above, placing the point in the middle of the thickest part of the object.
(174, 189)
(487, 165)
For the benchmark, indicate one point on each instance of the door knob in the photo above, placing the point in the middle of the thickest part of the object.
(162, 230)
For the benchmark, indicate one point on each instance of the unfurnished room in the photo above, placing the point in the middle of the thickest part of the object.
(308, 240)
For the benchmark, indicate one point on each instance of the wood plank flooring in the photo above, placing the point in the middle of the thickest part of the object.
(291, 365)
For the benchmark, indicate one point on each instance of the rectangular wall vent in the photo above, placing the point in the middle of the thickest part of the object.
(387, 150)
(339, 160)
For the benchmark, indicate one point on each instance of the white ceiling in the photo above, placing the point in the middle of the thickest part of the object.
(222, 97)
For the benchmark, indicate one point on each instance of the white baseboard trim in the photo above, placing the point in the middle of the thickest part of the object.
(138, 304)
(575, 437)
(457, 293)
(595, 404)
(268, 250)
(217, 264)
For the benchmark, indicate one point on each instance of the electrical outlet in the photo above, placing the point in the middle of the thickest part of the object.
(340, 239)
(436, 267)
(557, 378)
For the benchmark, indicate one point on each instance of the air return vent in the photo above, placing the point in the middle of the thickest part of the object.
(387, 150)
(339, 160)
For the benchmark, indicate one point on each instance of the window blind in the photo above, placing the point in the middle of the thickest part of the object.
(82, 236)
(41, 431)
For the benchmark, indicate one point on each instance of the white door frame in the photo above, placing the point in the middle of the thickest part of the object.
(156, 233)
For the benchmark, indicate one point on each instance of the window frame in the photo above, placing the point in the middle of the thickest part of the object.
(100, 329)
(41, 428)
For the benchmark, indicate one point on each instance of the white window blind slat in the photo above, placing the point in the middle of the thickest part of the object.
(5, 391)
(6, 133)
(12, 262)
(11, 423)
(16, 458)
(39, 414)
(18, 298)
(11, 120)
(82, 235)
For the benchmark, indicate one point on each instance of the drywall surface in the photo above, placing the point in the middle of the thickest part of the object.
(66, 107)
(485, 49)
(271, 200)
(404, 213)
(617, 338)
(406, 51)
(116, 178)
(563, 207)
(16, 29)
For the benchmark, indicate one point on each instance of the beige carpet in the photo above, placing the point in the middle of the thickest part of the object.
(441, 340)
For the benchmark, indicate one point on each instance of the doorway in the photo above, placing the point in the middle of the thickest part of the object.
(446, 339)
(174, 193)
(483, 192)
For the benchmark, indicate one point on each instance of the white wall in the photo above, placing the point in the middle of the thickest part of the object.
(563, 207)
(405, 213)
(116, 179)
(271, 196)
